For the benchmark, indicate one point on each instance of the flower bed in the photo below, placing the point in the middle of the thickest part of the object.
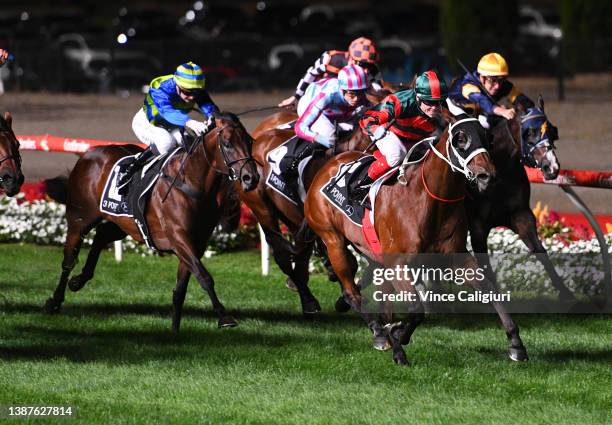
(43, 222)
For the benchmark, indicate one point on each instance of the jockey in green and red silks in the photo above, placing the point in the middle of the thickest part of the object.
(398, 122)
(466, 93)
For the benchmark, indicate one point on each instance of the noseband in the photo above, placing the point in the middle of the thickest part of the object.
(527, 149)
(232, 174)
(15, 157)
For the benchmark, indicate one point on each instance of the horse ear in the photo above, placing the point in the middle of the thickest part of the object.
(541, 103)
(8, 118)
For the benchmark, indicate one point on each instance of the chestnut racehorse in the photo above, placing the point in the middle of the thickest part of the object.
(11, 177)
(181, 224)
(527, 139)
(426, 215)
(272, 209)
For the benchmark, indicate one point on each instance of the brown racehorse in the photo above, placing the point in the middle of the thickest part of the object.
(273, 121)
(11, 177)
(528, 138)
(426, 215)
(271, 209)
(181, 224)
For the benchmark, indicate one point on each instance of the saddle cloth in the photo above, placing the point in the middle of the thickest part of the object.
(134, 203)
(279, 158)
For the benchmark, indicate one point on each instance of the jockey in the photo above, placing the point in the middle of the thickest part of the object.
(327, 103)
(401, 119)
(466, 96)
(361, 51)
(165, 114)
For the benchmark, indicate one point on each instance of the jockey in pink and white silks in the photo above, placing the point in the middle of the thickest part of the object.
(327, 103)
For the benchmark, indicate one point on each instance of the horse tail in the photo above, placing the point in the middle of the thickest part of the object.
(57, 189)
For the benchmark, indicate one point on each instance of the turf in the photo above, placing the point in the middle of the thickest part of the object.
(110, 354)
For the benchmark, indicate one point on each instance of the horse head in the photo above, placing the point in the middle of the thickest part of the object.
(537, 140)
(11, 177)
(232, 144)
(466, 149)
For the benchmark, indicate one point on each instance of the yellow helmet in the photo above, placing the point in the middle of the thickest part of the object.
(493, 64)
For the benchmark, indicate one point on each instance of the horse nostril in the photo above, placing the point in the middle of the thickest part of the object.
(246, 178)
(6, 177)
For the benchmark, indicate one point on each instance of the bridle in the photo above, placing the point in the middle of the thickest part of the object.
(545, 142)
(12, 156)
(452, 150)
(220, 141)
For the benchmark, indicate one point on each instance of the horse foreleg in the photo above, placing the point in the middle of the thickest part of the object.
(105, 233)
(516, 350)
(524, 224)
(186, 253)
(478, 237)
(178, 295)
(74, 239)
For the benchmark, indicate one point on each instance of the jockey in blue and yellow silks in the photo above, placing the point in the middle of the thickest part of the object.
(466, 93)
(159, 123)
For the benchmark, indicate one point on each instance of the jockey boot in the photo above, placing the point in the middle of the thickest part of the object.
(359, 189)
(139, 161)
(291, 172)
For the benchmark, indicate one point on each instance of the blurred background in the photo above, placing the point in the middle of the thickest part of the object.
(81, 67)
(118, 46)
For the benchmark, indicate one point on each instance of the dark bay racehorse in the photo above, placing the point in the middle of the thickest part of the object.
(527, 139)
(11, 177)
(181, 224)
(426, 215)
(272, 209)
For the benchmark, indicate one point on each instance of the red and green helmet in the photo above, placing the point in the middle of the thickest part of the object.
(431, 86)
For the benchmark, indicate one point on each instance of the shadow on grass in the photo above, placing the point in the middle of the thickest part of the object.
(558, 356)
(141, 345)
(273, 316)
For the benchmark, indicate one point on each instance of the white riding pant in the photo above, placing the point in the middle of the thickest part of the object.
(322, 125)
(392, 148)
(149, 134)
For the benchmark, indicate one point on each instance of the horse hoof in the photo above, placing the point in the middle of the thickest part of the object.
(399, 358)
(518, 354)
(311, 307)
(52, 306)
(76, 283)
(341, 305)
(291, 285)
(381, 343)
(227, 322)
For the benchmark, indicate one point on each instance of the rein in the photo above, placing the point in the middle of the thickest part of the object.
(233, 176)
(430, 193)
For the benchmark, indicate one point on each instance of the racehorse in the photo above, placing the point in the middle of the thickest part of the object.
(528, 139)
(273, 121)
(182, 224)
(11, 177)
(426, 215)
(271, 209)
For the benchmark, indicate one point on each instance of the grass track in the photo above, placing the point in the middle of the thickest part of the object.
(111, 355)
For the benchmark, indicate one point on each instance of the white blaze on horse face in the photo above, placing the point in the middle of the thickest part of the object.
(553, 161)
